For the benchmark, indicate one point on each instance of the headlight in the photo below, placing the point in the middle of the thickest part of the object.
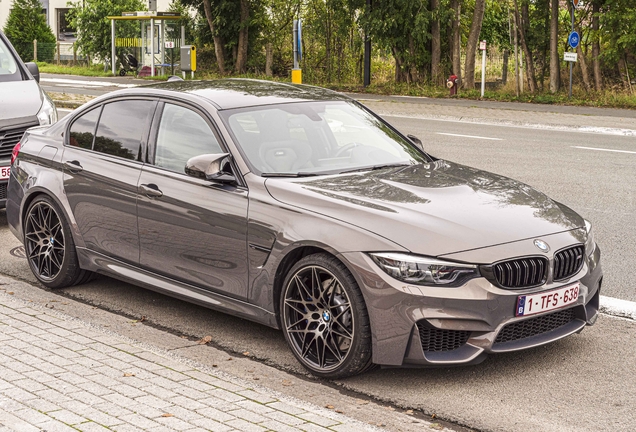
(590, 244)
(419, 270)
(47, 114)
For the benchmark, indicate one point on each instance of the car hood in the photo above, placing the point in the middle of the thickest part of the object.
(432, 209)
(20, 99)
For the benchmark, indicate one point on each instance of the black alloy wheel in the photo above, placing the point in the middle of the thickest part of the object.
(49, 246)
(324, 318)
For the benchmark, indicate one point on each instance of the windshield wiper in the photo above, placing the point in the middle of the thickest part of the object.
(298, 174)
(376, 167)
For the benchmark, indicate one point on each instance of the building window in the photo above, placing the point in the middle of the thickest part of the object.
(65, 32)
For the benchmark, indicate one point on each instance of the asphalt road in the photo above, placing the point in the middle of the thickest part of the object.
(584, 383)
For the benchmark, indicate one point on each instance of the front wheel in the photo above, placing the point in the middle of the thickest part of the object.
(49, 246)
(122, 72)
(324, 318)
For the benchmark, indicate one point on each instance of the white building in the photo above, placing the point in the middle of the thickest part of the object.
(55, 11)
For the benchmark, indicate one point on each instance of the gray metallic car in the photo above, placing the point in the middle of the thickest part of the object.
(298, 208)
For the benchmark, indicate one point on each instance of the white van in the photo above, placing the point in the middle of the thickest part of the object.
(23, 104)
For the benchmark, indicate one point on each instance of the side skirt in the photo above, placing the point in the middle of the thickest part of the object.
(96, 262)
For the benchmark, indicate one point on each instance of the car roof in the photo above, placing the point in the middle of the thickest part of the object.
(240, 92)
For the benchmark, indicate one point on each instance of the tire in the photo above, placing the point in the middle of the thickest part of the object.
(324, 318)
(122, 72)
(49, 246)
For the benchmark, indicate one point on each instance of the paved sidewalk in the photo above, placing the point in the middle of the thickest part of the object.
(58, 373)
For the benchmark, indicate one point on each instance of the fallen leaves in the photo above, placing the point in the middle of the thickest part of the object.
(287, 383)
(10, 292)
(205, 340)
(329, 406)
(246, 353)
(129, 374)
(408, 412)
(167, 415)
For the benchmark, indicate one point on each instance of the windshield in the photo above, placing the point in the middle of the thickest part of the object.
(9, 70)
(312, 138)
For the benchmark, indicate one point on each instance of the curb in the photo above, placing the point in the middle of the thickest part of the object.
(518, 124)
(67, 104)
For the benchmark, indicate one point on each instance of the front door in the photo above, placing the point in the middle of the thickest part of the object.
(190, 229)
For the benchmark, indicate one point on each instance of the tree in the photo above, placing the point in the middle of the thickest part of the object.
(555, 59)
(26, 23)
(471, 45)
(532, 82)
(89, 17)
(436, 44)
(596, 46)
(456, 39)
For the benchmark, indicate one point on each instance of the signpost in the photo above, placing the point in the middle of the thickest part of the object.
(482, 47)
(574, 39)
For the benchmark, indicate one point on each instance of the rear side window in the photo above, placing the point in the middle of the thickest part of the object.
(82, 130)
(182, 134)
(121, 127)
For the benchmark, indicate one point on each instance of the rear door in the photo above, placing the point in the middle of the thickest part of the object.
(191, 229)
(102, 164)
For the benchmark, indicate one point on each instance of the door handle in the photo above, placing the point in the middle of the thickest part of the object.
(151, 190)
(73, 166)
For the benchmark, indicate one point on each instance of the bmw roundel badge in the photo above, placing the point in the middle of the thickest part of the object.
(542, 246)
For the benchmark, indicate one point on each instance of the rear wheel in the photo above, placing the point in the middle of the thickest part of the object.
(49, 246)
(122, 72)
(324, 318)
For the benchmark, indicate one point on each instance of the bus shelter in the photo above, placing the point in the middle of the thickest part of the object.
(143, 17)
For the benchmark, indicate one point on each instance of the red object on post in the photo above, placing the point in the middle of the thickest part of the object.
(451, 83)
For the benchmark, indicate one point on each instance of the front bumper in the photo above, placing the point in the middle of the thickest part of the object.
(422, 326)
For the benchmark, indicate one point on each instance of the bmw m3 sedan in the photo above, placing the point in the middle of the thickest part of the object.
(300, 209)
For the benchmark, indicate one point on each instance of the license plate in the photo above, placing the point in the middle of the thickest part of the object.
(547, 301)
(4, 172)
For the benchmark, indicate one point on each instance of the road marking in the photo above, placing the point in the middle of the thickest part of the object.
(470, 136)
(618, 307)
(519, 125)
(606, 150)
(89, 84)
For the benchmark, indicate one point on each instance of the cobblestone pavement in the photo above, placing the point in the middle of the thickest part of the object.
(58, 373)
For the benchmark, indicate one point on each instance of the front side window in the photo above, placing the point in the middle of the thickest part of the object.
(317, 138)
(82, 132)
(182, 135)
(9, 70)
(121, 126)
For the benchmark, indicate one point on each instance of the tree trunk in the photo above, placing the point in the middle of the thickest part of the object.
(596, 46)
(436, 45)
(532, 81)
(241, 57)
(555, 60)
(218, 42)
(456, 40)
(471, 46)
(400, 75)
(269, 59)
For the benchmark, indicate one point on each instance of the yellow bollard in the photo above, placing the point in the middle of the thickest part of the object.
(297, 76)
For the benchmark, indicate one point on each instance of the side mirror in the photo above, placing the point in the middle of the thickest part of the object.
(213, 167)
(34, 69)
(415, 140)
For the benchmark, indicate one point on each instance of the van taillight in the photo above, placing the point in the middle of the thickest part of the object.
(14, 153)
